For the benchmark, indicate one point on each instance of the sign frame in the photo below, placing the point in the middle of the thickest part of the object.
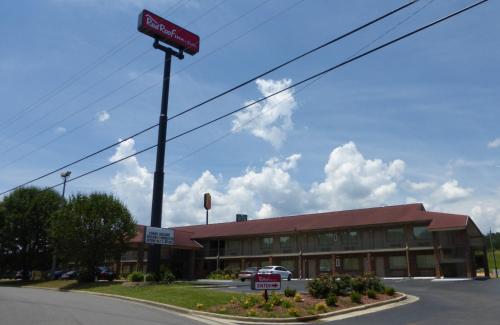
(267, 282)
(163, 30)
(159, 236)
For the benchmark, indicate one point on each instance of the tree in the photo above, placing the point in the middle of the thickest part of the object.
(26, 219)
(91, 229)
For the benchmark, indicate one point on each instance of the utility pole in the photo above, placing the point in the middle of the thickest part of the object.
(64, 176)
(493, 251)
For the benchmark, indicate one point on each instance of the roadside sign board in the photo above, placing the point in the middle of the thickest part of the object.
(168, 32)
(161, 236)
(267, 282)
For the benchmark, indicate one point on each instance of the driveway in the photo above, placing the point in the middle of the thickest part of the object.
(441, 302)
(24, 306)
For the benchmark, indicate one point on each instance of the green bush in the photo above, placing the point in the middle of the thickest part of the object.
(321, 287)
(286, 304)
(226, 274)
(268, 306)
(136, 276)
(320, 307)
(294, 312)
(168, 277)
(371, 294)
(356, 297)
(331, 299)
(358, 284)
(289, 292)
(343, 285)
(390, 291)
(275, 300)
(374, 283)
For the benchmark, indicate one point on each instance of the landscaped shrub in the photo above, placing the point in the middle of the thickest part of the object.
(389, 291)
(297, 297)
(275, 300)
(342, 285)
(320, 307)
(200, 306)
(331, 299)
(371, 294)
(252, 312)
(374, 283)
(249, 301)
(356, 297)
(293, 312)
(150, 277)
(226, 274)
(358, 284)
(289, 292)
(136, 276)
(321, 287)
(268, 306)
(168, 276)
(286, 304)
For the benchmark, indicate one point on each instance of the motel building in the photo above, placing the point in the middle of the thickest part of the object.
(392, 241)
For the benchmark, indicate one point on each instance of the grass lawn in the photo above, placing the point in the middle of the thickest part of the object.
(182, 295)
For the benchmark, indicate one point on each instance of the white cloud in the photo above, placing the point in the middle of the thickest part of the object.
(420, 186)
(494, 143)
(102, 116)
(450, 192)
(352, 181)
(60, 130)
(133, 183)
(486, 217)
(269, 120)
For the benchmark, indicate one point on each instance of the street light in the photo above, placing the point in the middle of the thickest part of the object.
(65, 176)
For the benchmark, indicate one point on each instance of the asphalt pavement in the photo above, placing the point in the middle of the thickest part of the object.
(25, 306)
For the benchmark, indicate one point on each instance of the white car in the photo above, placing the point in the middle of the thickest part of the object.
(275, 269)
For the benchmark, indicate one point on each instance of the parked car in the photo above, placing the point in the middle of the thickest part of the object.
(248, 273)
(20, 275)
(104, 273)
(69, 275)
(276, 269)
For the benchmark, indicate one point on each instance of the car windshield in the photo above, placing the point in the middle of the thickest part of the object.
(267, 268)
(252, 269)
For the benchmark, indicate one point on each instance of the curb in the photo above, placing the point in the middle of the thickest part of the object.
(187, 311)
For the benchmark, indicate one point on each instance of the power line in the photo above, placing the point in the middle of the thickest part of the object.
(79, 75)
(336, 39)
(14, 146)
(337, 66)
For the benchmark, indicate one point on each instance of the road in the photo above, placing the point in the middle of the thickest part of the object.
(25, 306)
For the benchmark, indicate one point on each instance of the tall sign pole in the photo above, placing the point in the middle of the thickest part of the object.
(167, 32)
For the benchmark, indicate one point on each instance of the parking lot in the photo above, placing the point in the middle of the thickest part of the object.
(440, 302)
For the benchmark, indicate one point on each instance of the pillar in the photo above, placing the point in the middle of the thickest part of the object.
(334, 264)
(437, 255)
(301, 267)
(270, 260)
(369, 263)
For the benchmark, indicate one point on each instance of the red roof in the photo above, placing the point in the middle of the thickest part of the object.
(444, 221)
(330, 220)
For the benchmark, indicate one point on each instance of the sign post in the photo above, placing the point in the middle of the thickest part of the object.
(183, 40)
(266, 282)
(207, 203)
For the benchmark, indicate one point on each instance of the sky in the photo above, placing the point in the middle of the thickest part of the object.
(414, 122)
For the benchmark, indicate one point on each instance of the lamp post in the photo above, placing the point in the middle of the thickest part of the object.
(64, 176)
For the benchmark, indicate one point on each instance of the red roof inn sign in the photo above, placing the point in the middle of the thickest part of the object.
(267, 282)
(167, 32)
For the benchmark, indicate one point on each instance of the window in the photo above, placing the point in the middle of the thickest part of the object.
(425, 261)
(288, 264)
(337, 262)
(421, 233)
(285, 242)
(397, 262)
(233, 244)
(351, 263)
(353, 236)
(326, 239)
(266, 242)
(395, 234)
(325, 265)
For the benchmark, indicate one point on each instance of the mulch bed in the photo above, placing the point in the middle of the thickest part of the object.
(308, 306)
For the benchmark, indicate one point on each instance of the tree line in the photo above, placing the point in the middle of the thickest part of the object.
(83, 231)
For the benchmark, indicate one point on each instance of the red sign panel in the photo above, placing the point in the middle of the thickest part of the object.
(267, 281)
(165, 31)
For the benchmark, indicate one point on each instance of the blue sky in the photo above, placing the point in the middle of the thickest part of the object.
(415, 122)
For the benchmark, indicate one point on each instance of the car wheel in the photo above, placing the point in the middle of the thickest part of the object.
(242, 280)
(289, 277)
